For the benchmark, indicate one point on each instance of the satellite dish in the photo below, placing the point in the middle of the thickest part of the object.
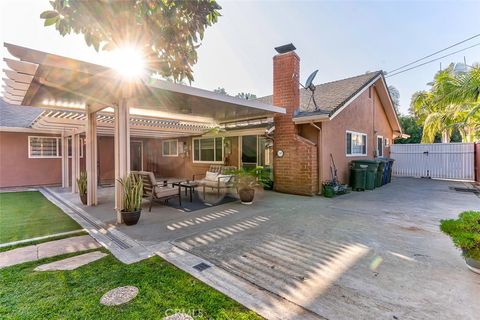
(309, 83)
(310, 86)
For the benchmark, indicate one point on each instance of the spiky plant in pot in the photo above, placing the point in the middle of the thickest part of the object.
(82, 187)
(132, 187)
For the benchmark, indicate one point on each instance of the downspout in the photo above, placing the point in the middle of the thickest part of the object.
(319, 156)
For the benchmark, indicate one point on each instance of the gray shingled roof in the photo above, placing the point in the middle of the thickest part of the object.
(329, 96)
(17, 116)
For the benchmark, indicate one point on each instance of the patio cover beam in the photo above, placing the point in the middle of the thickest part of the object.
(91, 160)
(75, 160)
(65, 178)
(122, 152)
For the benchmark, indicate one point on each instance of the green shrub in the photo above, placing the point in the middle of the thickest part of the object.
(132, 193)
(465, 232)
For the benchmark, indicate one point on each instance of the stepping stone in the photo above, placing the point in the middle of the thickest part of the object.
(68, 245)
(119, 296)
(72, 263)
(19, 255)
(178, 316)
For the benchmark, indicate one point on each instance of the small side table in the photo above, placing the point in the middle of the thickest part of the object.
(190, 185)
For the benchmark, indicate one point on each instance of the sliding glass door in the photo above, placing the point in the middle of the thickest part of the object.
(256, 151)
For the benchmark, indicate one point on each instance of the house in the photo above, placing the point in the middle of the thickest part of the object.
(182, 130)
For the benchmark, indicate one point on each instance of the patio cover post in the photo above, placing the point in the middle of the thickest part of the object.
(91, 161)
(75, 161)
(65, 181)
(122, 151)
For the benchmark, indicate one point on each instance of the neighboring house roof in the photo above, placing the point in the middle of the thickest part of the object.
(17, 116)
(331, 97)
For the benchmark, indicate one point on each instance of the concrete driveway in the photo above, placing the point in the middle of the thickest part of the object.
(366, 255)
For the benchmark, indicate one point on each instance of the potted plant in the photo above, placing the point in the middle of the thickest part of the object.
(246, 180)
(465, 233)
(82, 187)
(132, 199)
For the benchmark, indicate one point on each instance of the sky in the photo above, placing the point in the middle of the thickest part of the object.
(339, 38)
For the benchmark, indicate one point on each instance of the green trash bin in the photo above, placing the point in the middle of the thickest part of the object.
(379, 177)
(358, 177)
(371, 171)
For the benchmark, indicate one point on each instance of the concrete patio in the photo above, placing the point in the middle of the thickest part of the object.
(373, 254)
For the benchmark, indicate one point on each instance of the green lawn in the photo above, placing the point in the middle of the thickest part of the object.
(25, 215)
(26, 294)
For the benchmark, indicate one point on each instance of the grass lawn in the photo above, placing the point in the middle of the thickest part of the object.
(25, 215)
(164, 289)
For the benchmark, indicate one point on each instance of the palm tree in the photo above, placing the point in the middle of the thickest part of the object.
(453, 102)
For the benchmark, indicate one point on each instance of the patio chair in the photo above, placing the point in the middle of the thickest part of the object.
(216, 177)
(156, 192)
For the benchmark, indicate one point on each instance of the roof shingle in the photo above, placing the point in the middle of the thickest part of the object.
(329, 96)
(17, 116)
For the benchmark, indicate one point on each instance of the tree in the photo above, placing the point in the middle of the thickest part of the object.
(167, 31)
(221, 90)
(395, 95)
(246, 96)
(411, 127)
(451, 105)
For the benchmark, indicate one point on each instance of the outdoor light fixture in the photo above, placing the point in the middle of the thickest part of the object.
(129, 62)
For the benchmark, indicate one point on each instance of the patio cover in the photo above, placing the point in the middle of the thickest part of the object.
(86, 95)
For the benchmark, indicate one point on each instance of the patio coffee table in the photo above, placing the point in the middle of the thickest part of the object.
(188, 185)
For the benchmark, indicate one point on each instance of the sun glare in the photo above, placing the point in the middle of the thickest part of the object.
(129, 62)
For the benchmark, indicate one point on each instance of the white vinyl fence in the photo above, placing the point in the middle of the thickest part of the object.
(437, 160)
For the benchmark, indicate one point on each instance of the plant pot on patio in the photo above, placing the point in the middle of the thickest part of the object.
(83, 198)
(132, 199)
(246, 180)
(246, 195)
(131, 218)
(465, 232)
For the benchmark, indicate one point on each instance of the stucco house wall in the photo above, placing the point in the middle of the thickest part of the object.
(16, 169)
(366, 115)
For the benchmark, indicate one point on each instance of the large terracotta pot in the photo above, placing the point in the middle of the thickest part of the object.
(131, 218)
(83, 198)
(246, 195)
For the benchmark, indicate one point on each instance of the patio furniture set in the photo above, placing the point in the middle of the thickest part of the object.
(216, 178)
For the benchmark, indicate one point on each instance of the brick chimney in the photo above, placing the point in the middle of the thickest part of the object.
(294, 172)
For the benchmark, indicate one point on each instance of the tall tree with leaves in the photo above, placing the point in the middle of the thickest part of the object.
(167, 31)
(246, 96)
(395, 95)
(452, 104)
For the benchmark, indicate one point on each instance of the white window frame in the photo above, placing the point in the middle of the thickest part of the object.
(386, 142)
(382, 145)
(71, 144)
(30, 156)
(356, 154)
(163, 148)
(214, 150)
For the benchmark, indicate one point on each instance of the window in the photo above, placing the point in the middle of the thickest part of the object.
(208, 150)
(70, 145)
(44, 147)
(387, 142)
(170, 148)
(379, 146)
(356, 144)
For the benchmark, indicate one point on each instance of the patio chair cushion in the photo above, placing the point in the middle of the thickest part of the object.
(224, 177)
(211, 176)
(161, 192)
(214, 184)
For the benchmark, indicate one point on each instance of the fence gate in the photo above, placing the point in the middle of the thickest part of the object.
(437, 160)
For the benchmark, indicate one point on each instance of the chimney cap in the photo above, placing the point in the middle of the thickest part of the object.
(285, 48)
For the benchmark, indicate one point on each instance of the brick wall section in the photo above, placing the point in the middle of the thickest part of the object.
(295, 172)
